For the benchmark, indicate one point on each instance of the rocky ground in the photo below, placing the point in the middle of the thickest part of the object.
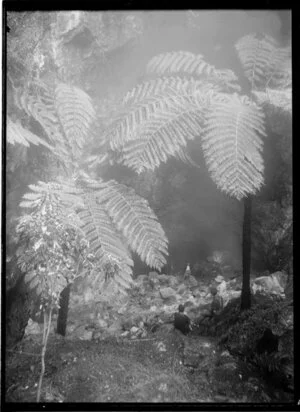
(128, 350)
(164, 367)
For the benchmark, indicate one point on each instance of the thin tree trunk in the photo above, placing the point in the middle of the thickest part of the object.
(246, 291)
(63, 310)
(47, 327)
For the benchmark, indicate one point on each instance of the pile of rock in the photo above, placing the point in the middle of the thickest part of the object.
(152, 301)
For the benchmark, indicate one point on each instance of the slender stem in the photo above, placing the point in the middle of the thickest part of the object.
(44, 327)
(45, 339)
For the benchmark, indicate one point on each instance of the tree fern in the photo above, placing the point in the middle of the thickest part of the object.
(157, 120)
(232, 144)
(262, 59)
(195, 65)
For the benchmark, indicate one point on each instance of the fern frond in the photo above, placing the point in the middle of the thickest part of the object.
(76, 113)
(165, 134)
(195, 65)
(134, 218)
(232, 145)
(103, 238)
(156, 102)
(262, 59)
(171, 86)
(17, 134)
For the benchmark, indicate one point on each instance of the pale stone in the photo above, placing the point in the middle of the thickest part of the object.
(167, 293)
(134, 329)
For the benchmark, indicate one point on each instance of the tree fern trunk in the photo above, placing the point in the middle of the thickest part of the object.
(63, 310)
(246, 291)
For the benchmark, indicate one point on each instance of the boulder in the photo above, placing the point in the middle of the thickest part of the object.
(219, 279)
(281, 277)
(32, 328)
(182, 288)
(269, 284)
(134, 329)
(167, 293)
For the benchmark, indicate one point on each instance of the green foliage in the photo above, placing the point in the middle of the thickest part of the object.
(65, 112)
(232, 144)
(161, 115)
(264, 62)
(51, 252)
(195, 65)
(112, 218)
(158, 117)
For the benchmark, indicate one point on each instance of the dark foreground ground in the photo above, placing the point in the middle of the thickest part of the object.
(148, 370)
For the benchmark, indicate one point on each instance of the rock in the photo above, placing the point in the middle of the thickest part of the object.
(182, 288)
(219, 279)
(101, 323)
(153, 309)
(269, 284)
(167, 293)
(134, 329)
(32, 328)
